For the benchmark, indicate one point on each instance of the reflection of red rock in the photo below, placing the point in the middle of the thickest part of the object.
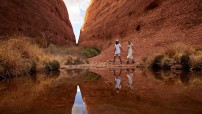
(148, 96)
(59, 99)
(37, 18)
(150, 25)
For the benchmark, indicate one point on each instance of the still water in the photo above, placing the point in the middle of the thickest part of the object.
(104, 91)
(79, 106)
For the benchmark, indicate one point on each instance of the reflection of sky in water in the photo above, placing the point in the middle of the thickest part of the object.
(79, 106)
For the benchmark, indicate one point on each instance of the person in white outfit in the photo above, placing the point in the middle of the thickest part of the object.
(130, 53)
(130, 78)
(117, 81)
(117, 51)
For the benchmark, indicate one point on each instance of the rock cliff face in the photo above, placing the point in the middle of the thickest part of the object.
(150, 24)
(47, 19)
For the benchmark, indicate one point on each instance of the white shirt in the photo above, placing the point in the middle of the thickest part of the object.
(130, 48)
(117, 47)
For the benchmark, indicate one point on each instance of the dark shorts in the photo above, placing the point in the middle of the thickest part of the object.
(115, 55)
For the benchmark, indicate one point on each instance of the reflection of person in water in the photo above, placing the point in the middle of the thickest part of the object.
(130, 78)
(117, 81)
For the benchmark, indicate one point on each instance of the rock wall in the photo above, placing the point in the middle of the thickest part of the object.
(46, 19)
(150, 24)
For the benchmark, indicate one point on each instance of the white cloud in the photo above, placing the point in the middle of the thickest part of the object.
(76, 9)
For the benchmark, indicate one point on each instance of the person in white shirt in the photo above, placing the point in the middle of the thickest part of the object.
(130, 53)
(117, 51)
(117, 81)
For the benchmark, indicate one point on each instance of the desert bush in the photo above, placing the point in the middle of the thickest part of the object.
(72, 60)
(19, 56)
(196, 63)
(177, 54)
(167, 62)
(52, 65)
(72, 51)
(198, 66)
(156, 64)
(185, 62)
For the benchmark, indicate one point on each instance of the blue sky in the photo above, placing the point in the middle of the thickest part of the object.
(76, 10)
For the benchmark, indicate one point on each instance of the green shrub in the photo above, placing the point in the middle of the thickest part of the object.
(90, 52)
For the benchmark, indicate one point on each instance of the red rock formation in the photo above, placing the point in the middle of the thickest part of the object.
(150, 24)
(37, 18)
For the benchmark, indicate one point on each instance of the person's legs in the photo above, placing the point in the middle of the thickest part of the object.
(114, 59)
(120, 59)
(133, 61)
(127, 62)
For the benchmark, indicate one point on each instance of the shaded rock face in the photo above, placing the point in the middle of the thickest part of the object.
(149, 24)
(47, 19)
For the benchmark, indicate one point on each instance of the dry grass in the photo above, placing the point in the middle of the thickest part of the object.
(72, 60)
(173, 55)
(71, 55)
(19, 55)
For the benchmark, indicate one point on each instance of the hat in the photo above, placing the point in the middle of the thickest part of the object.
(117, 40)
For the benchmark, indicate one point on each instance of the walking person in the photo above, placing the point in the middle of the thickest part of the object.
(117, 81)
(117, 51)
(130, 78)
(130, 53)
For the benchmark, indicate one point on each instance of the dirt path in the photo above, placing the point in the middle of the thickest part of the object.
(98, 66)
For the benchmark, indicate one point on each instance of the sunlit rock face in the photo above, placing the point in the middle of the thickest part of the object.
(149, 24)
(44, 19)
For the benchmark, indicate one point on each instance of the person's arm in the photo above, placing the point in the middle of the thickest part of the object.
(121, 48)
